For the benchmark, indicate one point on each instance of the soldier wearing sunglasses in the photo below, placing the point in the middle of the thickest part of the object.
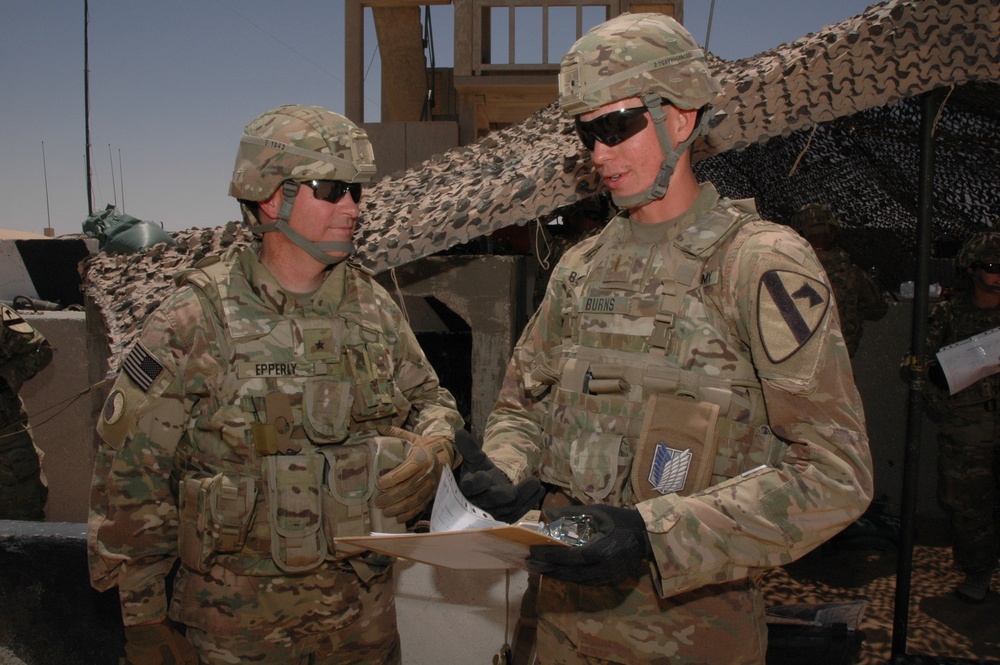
(260, 415)
(968, 444)
(683, 392)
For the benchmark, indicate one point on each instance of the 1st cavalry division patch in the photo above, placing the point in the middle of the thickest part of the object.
(790, 308)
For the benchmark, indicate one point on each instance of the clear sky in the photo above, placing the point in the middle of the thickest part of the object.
(172, 85)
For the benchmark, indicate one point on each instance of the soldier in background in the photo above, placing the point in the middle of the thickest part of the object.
(24, 352)
(276, 401)
(857, 295)
(968, 438)
(683, 390)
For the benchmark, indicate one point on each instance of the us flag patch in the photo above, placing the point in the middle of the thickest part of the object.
(141, 367)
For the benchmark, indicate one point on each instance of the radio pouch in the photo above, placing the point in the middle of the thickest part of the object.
(215, 514)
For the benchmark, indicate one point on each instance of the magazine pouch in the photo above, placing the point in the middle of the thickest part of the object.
(295, 487)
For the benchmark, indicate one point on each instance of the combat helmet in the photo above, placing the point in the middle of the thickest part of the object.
(981, 248)
(814, 219)
(289, 145)
(649, 56)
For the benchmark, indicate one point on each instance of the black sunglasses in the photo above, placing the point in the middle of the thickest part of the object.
(334, 190)
(612, 128)
(991, 268)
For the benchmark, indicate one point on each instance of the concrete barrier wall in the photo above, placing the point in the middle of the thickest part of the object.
(60, 411)
(48, 612)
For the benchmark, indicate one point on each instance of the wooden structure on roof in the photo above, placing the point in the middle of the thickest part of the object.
(493, 84)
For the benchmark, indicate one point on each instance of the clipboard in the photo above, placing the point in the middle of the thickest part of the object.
(462, 536)
(498, 547)
(970, 359)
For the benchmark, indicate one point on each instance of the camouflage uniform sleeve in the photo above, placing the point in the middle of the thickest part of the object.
(871, 303)
(939, 327)
(434, 410)
(514, 427)
(24, 351)
(782, 307)
(132, 540)
(940, 332)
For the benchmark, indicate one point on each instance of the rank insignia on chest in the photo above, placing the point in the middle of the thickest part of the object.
(790, 308)
(669, 470)
(321, 344)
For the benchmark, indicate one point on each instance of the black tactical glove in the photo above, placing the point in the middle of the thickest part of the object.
(488, 488)
(612, 555)
(935, 374)
(157, 644)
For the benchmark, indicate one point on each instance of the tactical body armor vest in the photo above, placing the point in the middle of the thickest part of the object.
(654, 391)
(283, 453)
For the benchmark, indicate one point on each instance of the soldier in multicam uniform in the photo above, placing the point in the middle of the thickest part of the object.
(24, 352)
(683, 390)
(968, 441)
(276, 401)
(857, 295)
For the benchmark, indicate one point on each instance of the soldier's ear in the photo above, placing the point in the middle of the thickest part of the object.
(684, 122)
(270, 206)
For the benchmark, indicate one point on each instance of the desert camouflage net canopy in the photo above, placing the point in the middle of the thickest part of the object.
(830, 118)
(892, 52)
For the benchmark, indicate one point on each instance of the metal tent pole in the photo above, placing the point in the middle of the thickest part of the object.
(930, 103)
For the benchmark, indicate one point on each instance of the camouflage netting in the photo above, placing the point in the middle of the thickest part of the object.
(854, 82)
(866, 168)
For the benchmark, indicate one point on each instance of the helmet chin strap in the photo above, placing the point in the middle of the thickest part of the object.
(317, 250)
(656, 191)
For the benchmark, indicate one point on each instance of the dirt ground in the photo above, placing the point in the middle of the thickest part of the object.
(939, 624)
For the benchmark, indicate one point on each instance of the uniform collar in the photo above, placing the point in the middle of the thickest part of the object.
(667, 231)
(324, 300)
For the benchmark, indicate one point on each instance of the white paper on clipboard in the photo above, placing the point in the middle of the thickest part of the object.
(970, 360)
(462, 536)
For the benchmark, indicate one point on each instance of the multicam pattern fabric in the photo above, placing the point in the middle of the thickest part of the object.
(190, 467)
(771, 498)
(951, 321)
(299, 143)
(969, 444)
(857, 295)
(23, 353)
(365, 633)
(670, 64)
(814, 219)
(982, 247)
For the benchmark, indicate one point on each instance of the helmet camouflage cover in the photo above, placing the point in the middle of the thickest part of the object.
(814, 218)
(633, 55)
(981, 247)
(299, 143)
